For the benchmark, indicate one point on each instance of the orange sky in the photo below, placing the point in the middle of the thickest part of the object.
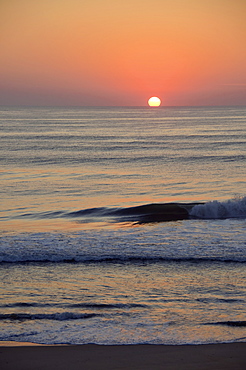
(121, 52)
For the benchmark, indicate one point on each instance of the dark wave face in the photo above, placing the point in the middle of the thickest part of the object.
(155, 212)
(229, 323)
(147, 213)
(56, 316)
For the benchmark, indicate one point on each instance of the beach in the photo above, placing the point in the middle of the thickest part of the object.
(211, 356)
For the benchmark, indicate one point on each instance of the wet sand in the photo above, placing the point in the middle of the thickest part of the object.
(24, 356)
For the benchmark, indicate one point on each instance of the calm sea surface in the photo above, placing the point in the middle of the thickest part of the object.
(123, 225)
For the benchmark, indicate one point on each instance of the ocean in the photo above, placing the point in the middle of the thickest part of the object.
(123, 225)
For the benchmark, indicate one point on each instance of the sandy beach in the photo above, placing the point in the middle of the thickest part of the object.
(215, 356)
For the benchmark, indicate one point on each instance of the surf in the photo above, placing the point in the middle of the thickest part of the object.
(151, 213)
(233, 208)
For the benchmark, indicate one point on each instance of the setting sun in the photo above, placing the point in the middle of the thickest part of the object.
(154, 101)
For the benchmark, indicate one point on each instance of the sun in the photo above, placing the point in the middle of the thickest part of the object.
(154, 101)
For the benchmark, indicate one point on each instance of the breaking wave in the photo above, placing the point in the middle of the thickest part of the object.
(234, 208)
(152, 213)
(191, 241)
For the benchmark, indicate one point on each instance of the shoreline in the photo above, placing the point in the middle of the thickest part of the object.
(221, 356)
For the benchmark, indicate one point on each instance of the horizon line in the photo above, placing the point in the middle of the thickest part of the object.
(119, 106)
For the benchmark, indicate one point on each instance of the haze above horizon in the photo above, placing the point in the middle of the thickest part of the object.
(104, 53)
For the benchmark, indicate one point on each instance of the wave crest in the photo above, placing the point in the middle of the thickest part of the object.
(234, 208)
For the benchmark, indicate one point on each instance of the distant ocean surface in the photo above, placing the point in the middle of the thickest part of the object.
(123, 225)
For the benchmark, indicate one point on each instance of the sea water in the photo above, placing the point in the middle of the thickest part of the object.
(123, 225)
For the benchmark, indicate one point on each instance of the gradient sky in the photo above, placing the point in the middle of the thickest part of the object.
(121, 52)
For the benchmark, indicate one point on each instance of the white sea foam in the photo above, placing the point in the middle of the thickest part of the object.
(234, 208)
(185, 240)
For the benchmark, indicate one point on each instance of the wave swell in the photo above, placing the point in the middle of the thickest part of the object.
(229, 323)
(120, 259)
(55, 316)
(97, 306)
(154, 212)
